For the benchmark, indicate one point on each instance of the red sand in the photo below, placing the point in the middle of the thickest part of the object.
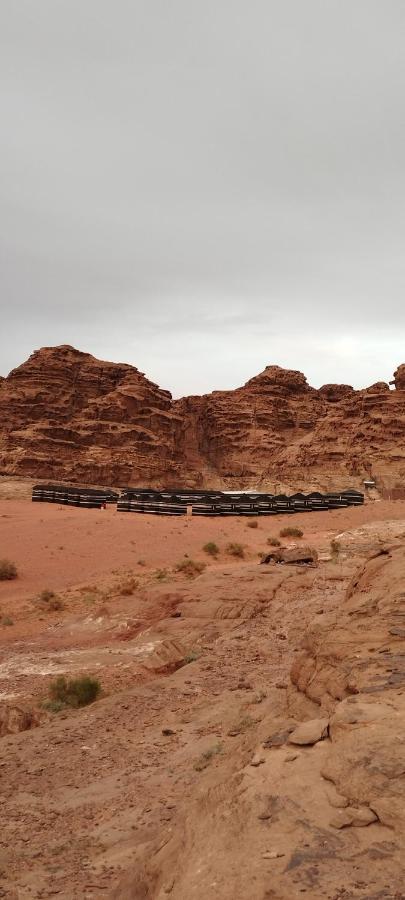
(57, 546)
(168, 750)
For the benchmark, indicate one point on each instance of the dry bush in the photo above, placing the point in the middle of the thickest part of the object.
(204, 760)
(335, 548)
(55, 604)
(161, 574)
(126, 588)
(235, 549)
(76, 692)
(211, 548)
(244, 723)
(191, 657)
(46, 595)
(8, 570)
(274, 542)
(50, 601)
(190, 567)
(252, 523)
(291, 531)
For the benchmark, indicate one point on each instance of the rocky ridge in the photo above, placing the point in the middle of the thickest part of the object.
(66, 415)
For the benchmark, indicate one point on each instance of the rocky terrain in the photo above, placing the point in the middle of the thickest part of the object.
(249, 740)
(66, 415)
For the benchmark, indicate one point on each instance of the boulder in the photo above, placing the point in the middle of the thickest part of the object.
(310, 732)
(292, 556)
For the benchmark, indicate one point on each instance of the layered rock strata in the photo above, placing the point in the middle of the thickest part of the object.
(66, 415)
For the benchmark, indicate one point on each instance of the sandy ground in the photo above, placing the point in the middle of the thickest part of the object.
(207, 658)
(55, 547)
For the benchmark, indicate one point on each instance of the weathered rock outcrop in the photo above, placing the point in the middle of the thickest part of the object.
(317, 807)
(354, 668)
(65, 414)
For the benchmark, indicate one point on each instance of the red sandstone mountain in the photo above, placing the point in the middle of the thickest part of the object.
(66, 415)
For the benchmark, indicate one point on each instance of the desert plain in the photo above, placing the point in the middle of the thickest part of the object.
(189, 776)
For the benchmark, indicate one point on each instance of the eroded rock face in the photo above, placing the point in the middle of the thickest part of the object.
(324, 795)
(66, 415)
(354, 668)
(14, 718)
(399, 378)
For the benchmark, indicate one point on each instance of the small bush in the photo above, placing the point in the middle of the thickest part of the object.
(141, 562)
(252, 523)
(50, 601)
(55, 604)
(243, 725)
(190, 567)
(191, 657)
(76, 692)
(161, 574)
(7, 620)
(235, 549)
(274, 542)
(204, 760)
(291, 531)
(45, 596)
(335, 548)
(8, 570)
(54, 706)
(126, 588)
(211, 548)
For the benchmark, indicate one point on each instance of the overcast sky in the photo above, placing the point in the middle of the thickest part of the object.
(205, 187)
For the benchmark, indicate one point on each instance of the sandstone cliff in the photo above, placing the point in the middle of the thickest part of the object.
(65, 414)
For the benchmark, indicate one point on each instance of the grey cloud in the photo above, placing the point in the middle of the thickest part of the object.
(204, 189)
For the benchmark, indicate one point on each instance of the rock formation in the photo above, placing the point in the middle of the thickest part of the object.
(66, 415)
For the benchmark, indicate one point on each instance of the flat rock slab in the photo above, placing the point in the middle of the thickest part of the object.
(310, 732)
(361, 817)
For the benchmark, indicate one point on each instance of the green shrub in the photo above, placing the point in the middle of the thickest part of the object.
(76, 692)
(291, 531)
(8, 570)
(235, 549)
(211, 548)
(274, 542)
(190, 567)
